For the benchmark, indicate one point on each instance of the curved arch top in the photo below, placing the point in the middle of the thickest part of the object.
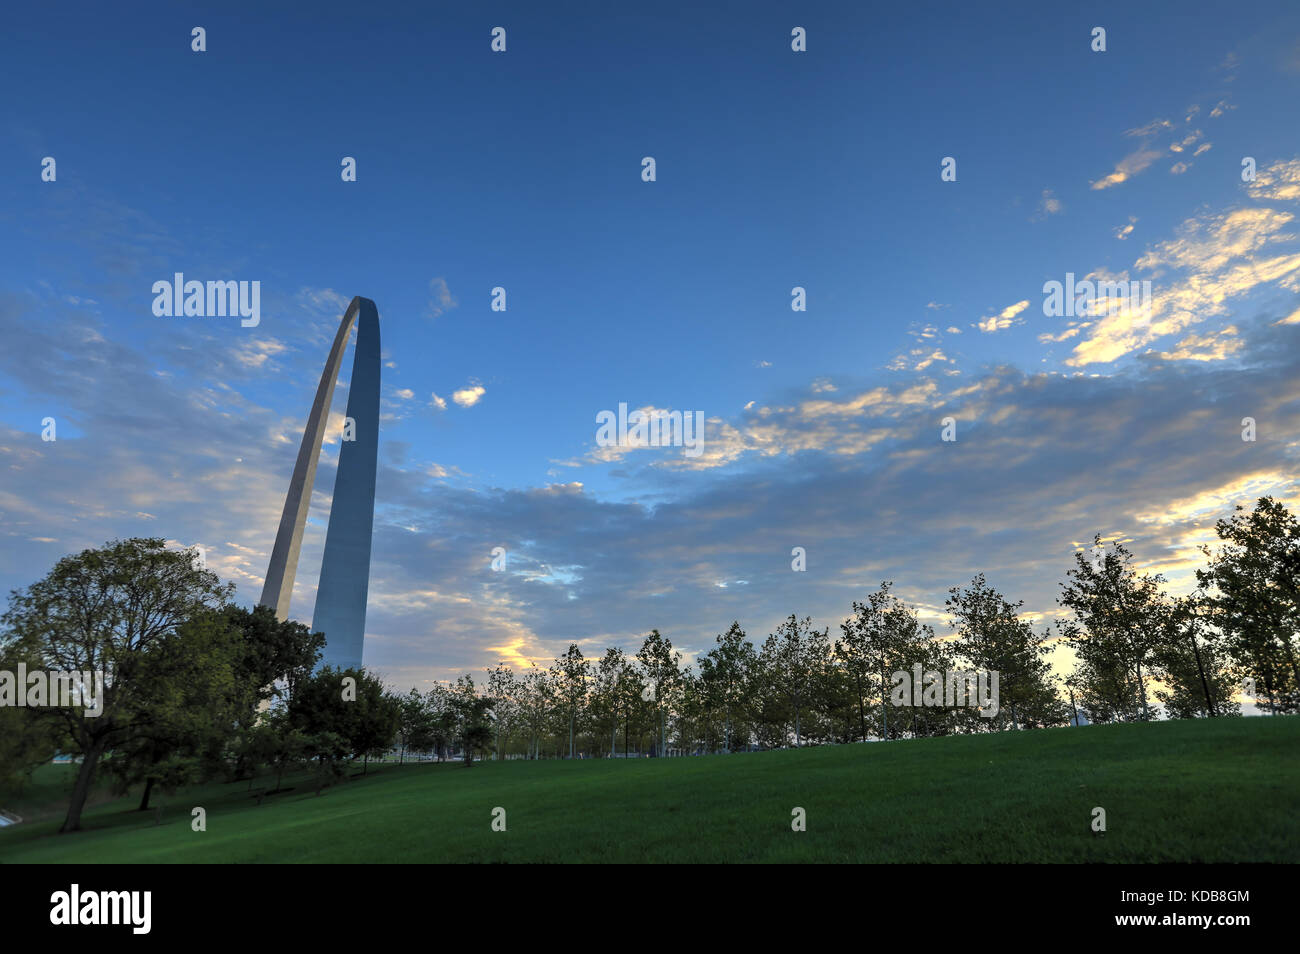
(345, 567)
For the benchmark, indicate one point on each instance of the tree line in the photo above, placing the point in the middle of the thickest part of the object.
(198, 688)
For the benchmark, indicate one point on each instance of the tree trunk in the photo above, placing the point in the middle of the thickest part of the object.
(862, 710)
(144, 799)
(81, 789)
(1209, 700)
(884, 713)
(1142, 693)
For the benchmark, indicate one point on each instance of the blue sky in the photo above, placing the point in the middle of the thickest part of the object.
(775, 169)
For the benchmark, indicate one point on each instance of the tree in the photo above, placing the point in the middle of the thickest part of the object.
(108, 610)
(537, 698)
(26, 739)
(872, 646)
(275, 741)
(725, 670)
(414, 723)
(794, 657)
(637, 707)
(502, 689)
(570, 676)
(442, 721)
(277, 654)
(344, 713)
(195, 704)
(1197, 678)
(471, 712)
(1118, 615)
(606, 698)
(1254, 596)
(992, 637)
(661, 667)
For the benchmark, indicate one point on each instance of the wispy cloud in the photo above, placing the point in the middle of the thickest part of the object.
(440, 298)
(1003, 319)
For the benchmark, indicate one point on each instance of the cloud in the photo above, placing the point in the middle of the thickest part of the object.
(255, 352)
(1150, 129)
(1279, 181)
(1214, 259)
(1211, 347)
(440, 299)
(1124, 231)
(587, 568)
(469, 396)
(1048, 205)
(931, 358)
(1003, 319)
(439, 403)
(1129, 166)
(860, 477)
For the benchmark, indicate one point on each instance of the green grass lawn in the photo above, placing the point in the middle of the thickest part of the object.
(1203, 790)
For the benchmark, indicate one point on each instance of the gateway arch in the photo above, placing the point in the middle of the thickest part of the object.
(345, 567)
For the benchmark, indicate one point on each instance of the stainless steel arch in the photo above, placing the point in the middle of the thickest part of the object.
(345, 567)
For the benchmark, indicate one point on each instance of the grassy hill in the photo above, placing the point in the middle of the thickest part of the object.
(1203, 790)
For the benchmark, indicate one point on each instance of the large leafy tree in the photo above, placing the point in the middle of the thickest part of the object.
(114, 610)
(1253, 585)
(26, 739)
(278, 654)
(197, 701)
(343, 714)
